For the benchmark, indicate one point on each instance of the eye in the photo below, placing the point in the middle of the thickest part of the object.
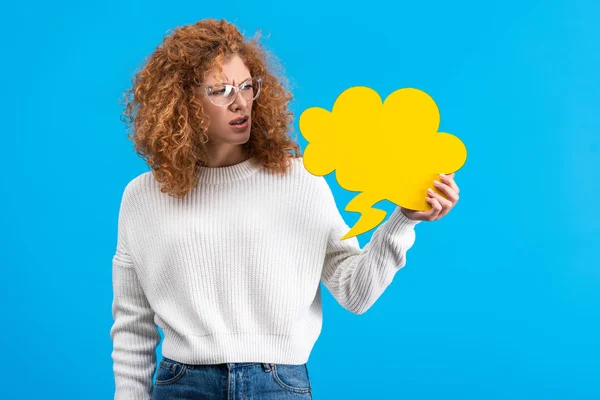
(219, 90)
(247, 85)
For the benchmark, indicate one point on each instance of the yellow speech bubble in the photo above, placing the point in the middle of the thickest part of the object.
(387, 151)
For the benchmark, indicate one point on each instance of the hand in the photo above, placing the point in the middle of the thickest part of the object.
(440, 205)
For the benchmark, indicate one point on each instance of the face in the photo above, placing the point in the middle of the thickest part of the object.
(223, 136)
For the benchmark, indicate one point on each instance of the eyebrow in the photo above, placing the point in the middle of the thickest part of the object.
(244, 80)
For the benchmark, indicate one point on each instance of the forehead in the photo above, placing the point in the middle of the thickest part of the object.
(234, 71)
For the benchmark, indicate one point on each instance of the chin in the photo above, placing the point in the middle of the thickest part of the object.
(240, 138)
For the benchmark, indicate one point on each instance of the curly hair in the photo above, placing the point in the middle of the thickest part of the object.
(166, 120)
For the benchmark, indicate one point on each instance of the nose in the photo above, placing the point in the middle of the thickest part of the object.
(239, 101)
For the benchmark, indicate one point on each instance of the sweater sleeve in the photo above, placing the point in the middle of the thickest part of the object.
(356, 278)
(134, 334)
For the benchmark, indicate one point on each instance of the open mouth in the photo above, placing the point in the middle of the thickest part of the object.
(239, 121)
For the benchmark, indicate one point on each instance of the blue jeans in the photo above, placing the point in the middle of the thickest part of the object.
(231, 381)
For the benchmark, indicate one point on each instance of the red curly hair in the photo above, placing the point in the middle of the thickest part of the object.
(167, 120)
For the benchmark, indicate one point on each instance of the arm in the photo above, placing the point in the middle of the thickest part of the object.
(356, 278)
(134, 333)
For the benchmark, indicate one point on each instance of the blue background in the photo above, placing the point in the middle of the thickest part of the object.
(499, 299)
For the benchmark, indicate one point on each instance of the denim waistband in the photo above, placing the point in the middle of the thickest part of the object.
(232, 365)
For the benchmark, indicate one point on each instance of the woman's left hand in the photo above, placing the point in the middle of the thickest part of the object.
(440, 205)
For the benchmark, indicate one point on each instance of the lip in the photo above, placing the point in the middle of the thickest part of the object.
(240, 127)
(237, 119)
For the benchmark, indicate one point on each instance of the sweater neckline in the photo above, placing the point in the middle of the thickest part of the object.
(230, 173)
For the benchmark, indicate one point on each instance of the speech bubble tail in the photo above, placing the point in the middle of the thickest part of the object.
(369, 219)
(348, 235)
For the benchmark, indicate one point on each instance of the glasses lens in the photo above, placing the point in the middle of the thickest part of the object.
(251, 88)
(221, 94)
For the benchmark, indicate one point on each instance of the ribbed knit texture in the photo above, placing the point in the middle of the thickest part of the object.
(232, 272)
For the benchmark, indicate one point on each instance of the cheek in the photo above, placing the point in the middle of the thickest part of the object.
(219, 120)
(217, 116)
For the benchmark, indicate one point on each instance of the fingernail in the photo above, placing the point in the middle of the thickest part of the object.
(430, 191)
(443, 175)
(436, 183)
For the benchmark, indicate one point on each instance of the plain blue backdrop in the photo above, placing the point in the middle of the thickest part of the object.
(499, 300)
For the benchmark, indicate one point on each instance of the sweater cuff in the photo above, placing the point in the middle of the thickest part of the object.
(398, 222)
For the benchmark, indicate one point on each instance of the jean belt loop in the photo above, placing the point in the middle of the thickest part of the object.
(266, 367)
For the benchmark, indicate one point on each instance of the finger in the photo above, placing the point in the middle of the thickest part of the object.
(445, 203)
(436, 208)
(448, 191)
(449, 180)
(430, 214)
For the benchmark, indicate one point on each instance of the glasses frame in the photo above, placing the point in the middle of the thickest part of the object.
(236, 89)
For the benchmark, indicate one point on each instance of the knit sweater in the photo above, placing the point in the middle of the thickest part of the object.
(232, 271)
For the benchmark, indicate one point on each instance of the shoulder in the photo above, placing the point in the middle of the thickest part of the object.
(308, 180)
(138, 184)
(298, 168)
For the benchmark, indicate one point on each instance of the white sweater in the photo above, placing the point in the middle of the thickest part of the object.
(232, 272)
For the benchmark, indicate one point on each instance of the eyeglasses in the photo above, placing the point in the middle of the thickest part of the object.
(224, 94)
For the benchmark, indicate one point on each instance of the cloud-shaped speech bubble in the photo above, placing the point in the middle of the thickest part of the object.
(387, 151)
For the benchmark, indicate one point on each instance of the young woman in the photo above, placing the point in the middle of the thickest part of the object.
(223, 245)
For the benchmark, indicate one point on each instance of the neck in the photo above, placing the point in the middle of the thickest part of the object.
(229, 173)
(226, 159)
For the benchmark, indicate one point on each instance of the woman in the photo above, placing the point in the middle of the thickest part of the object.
(223, 245)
